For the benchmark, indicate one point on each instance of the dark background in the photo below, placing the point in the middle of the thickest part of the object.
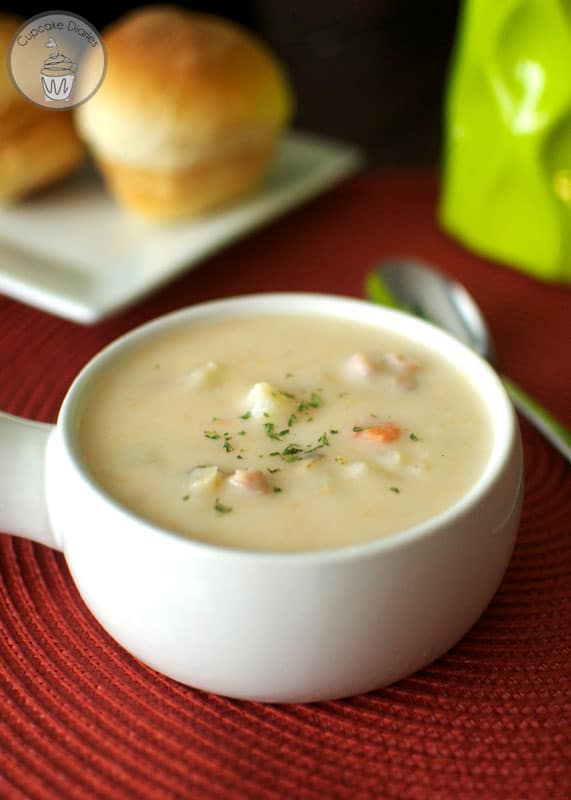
(367, 71)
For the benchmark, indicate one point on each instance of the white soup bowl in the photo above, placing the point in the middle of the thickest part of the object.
(270, 626)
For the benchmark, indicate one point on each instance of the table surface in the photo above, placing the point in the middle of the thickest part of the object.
(80, 718)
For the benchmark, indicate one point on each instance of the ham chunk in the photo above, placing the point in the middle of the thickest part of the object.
(360, 365)
(252, 480)
(403, 369)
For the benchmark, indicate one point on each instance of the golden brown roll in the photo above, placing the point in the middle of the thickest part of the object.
(37, 146)
(189, 113)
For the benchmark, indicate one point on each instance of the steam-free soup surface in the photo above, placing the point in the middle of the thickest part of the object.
(284, 433)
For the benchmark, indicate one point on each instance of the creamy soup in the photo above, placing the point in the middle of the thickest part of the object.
(284, 433)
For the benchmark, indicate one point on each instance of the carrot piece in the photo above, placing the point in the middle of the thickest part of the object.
(380, 433)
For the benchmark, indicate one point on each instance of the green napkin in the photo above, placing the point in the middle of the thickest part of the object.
(507, 171)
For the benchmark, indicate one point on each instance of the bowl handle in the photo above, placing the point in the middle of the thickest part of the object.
(23, 507)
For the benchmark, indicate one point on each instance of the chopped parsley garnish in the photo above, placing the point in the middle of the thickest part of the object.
(266, 414)
(246, 415)
(241, 433)
(292, 420)
(221, 509)
(313, 402)
(227, 446)
(275, 453)
(291, 452)
(288, 395)
(292, 449)
(414, 438)
(333, 431)
(269, 427)
(277, 489)
(296, 452)
(395, 489)
(211, 435)
(239, 456)
(357, 428)
(288, 375)
(340, 460)
(186, 497)
(374, 416)
(215, 419)
(271, 471)
(272, 433)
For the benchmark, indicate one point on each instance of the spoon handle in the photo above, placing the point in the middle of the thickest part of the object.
(551, 428)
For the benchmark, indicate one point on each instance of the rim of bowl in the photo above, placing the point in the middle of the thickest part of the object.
(425, 334)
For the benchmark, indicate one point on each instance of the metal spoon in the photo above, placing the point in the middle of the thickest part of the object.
(420, 289)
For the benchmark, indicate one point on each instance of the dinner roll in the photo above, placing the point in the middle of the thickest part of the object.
(9, 24)
(189, 113)
(37, 146)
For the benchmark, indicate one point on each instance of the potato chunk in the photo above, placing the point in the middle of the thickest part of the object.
(204, 376)
(355, 469)
(205, 479)
(265, 400)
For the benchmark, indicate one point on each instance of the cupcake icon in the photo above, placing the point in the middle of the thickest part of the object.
(57, 74)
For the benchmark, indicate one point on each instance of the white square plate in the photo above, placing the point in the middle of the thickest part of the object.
(73, 252)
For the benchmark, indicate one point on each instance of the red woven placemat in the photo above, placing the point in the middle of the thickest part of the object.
(79, 718)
